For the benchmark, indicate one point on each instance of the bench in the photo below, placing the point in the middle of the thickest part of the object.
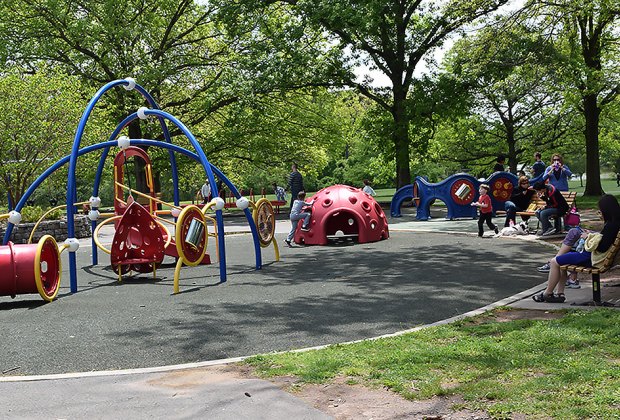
(611, 261)
(536, 203)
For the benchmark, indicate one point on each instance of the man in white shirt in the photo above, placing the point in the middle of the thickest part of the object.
(205, 192)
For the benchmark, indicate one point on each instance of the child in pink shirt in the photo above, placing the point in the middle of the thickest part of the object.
(486, 209)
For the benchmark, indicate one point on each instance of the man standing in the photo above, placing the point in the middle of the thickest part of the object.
(538, 168)
(295, 183)
(205, 192)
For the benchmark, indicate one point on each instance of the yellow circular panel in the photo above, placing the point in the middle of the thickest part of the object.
(265, 220)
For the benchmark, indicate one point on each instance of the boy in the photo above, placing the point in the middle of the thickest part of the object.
(486, 209)
(297, 214)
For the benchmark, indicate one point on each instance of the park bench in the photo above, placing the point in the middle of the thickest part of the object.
(536, 203)
(611, 261)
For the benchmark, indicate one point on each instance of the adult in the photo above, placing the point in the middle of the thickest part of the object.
(499, 165)
(205, 191)
(557, 173)
(295, 183)
(538, 168)
(618, 179)
(368, 189)
(596, 248)
(571, 241)
(556, 206)
(519, 200)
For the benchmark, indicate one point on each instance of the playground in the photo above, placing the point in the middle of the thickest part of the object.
(313, 296)
(170, 296)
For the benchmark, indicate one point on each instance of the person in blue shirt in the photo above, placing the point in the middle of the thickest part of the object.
(279, 192)
(538, 168)
(557, 173)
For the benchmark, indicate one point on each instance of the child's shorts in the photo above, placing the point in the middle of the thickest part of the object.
(575, 258)
(572, 236)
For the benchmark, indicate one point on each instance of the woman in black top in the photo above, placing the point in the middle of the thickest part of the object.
(610, 212)
(519, 200)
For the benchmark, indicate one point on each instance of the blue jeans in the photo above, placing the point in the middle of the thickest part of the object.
(545, 214)
(511, 210)
(295, 218)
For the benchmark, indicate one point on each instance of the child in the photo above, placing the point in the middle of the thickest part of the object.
(297, 214)
(368, 189)
(486, 209)
(279, 192)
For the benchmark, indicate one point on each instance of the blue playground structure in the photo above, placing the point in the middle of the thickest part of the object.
(72, 244)
(457, 191)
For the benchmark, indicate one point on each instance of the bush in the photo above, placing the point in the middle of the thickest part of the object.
(32, 214)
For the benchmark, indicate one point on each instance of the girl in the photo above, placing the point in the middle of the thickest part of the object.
(596, 248)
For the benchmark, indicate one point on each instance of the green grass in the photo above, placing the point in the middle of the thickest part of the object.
(566, 368)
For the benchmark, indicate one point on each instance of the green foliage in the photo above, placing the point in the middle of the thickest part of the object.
(38, 117)
(32, 214)
(516, 96)
(391, 38)
(564, 368)
(586, 34)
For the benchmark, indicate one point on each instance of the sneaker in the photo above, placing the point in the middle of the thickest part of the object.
(573, 284)
(549, 232)
(288, 243)
(544, 268)
(305, 228)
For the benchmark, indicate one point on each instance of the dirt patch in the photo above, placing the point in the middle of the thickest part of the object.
(499, 315)
(344, 400)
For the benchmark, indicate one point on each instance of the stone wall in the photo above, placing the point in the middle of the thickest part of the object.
(56, 228)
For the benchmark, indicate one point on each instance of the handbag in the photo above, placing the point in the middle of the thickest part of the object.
(572, 218)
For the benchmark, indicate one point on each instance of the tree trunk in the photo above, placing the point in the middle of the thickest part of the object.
(591, 113)
(512, 147)
(400, 137)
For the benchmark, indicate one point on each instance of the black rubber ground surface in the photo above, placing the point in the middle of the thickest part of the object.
(313, 296)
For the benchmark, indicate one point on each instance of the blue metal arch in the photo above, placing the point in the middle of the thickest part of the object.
(162, 116)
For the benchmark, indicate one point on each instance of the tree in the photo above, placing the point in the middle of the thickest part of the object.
(392, 37)
(178, 50)
(588, 34)
(38, 115)
(511, 74)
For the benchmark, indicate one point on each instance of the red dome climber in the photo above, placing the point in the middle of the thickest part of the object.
(345, 209)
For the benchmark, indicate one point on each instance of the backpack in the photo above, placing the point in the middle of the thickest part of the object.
(572, 218)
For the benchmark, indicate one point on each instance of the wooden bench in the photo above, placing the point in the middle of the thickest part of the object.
(536, 203)
(611, 261)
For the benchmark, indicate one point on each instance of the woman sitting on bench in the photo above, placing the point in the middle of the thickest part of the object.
(596, 248)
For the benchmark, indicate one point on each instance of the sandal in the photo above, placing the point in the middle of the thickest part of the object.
(559, 298)
(540, 297)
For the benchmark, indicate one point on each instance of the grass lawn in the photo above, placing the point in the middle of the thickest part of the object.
(566, 368)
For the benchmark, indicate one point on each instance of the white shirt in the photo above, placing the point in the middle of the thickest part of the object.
(205, 190)
(368, 190)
